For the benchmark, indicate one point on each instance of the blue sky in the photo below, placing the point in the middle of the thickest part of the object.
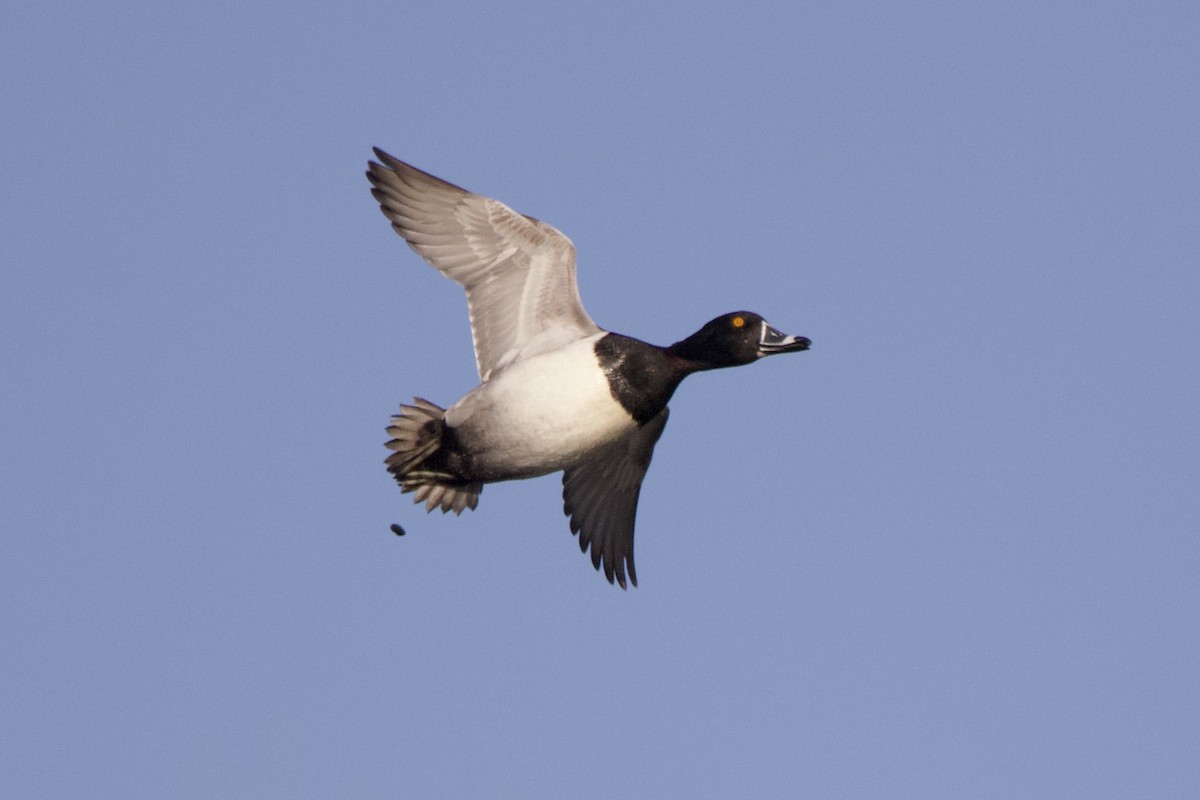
(949, 552)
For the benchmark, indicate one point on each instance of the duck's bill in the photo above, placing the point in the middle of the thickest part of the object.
(772, 341)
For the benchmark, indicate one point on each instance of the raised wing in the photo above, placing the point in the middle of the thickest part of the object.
(600, 496)
(519, 272)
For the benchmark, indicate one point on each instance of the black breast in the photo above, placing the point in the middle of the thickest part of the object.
(641, 377)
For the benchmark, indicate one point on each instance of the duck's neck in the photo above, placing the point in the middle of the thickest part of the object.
(690, 357)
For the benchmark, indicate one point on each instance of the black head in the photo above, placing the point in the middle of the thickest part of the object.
(735, 339)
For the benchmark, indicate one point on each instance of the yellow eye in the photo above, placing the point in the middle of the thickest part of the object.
(739, 322)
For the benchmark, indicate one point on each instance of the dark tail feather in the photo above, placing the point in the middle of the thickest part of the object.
(416, 436)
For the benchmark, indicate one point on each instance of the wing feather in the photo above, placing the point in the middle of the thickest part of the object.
(518, 272)
(600, 495)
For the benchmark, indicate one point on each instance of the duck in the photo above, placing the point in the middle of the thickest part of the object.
(556, 392)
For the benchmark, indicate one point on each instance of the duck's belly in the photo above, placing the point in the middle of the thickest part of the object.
(538, 416)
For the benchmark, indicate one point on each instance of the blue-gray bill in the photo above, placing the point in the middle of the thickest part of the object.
(773, 341)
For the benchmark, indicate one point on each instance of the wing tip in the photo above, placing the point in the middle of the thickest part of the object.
(384, 156)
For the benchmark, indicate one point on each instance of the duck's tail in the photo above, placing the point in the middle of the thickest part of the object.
(416, 439)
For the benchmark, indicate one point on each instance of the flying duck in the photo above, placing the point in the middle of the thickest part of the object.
(556, 392)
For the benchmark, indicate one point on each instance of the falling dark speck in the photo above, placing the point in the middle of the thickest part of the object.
(396, 529)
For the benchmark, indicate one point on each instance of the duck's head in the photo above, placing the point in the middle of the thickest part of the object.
(734, 339)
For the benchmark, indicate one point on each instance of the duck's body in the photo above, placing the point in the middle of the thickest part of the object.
(556, 392)
(525, 421)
